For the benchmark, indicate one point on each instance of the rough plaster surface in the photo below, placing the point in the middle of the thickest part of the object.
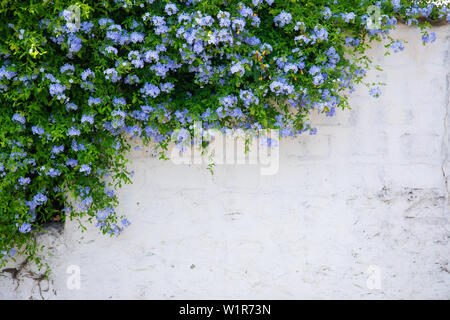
(368, 196)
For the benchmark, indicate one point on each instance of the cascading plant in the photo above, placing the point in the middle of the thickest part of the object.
(79, 78)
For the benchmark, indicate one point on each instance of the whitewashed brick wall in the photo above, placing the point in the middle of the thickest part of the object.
(360, 210)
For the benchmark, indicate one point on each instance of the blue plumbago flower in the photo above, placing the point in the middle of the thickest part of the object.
(161, 48)
(290, 67)
(184, 18)
(160, 24)
(86, 26)
(102, 215)
(429, 38)
(118, 113)
(32, 205)
(105, 21)
(253, 41)
(12, 252)
(203, 20)
(71, 106)
(134, 55)
(8, 74)
(150, 90)
(320, 33)
(245, 11)
(266, 48)
(237, 68)
(248, 97)
(375, 92)
(19, 118)
(110, 50)
(284, 18)
(40, 199)
(37, 130)
(280, 87)
(119, 102)
(327, 13)
(352, 42)
(136, 37)
(52, 172)
(332, 112)
(198, 46)
(318, 79)
(124, 39)
(391, 21)
(21, 32)
(160, 69)
(87, 73)
(238, 24)
(237, 113)
(77, 146)
(158, 21)
(314, 70)
(300, 25)
(181, 136)
(73, 132)
(31, 162)
(112, 74)
(85, 168)
(67, 15)
(302, 39)
(134, 131)
(72, 162)
(224, 19)
(170, 9)
(255, 21)
(67, 68)
(125, 222)
(137, 63)
(333, 58)
(25, 227)
(348, 17)
(135, 24)
(396, 4)
(151, 56)
(114, 32)
(74, 43)
(228, 101)
(57, 90)
(87, 118)
(132, 79)
(109, 193)
(24, 181)
(167, 87)
(181, 116)
(50, 77)
(86, 203)
(397, 46)
(412, 21)
(94, 101)
(57, 149)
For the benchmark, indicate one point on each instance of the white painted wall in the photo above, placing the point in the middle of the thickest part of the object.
(367, 196)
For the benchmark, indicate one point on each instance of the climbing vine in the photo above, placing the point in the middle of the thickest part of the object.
(79, 78)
